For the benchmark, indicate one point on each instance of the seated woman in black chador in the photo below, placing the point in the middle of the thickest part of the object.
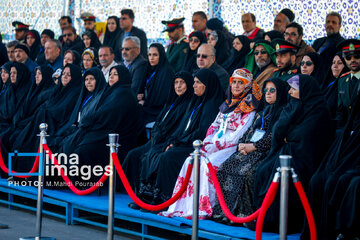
(304, 131)
(161, 165)
(311, 64)
(111, 37)
(71, 57)
(239, 51)
(155, 90)
(195, 40)
(217, 39)
(5, 80)
(90, 39)
(114, 111)
(236, 174)
(181, 93)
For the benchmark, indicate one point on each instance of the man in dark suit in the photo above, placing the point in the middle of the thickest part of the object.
(326, 46)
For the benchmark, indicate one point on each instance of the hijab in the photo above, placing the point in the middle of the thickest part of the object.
(318, 72)
(75, 56)
(190, 64)
(222, 48)
(273, 34)
(112, 38)
(94, 40)
(3, 85)
(237, 58)
(35, 48)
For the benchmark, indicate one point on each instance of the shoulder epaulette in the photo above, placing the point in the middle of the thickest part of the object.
(294, 71)
(345, 74)
(275, 70)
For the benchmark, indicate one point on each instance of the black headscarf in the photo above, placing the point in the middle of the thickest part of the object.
(35, 48)
(112, 38)
(76, 56)
(237, 58)
(273, 34)
(318, 72)
(190, 64)
(222, 48)
(201, 112)
(3, 85)
(94, 40)
(157, 85)
(173, 111)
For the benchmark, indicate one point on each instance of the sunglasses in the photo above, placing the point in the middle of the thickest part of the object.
(271, 90)
(67, 35)
(204, 56)
(307, 63)
(195, 40)
(258, 52)
(349, 56)
(126, 48)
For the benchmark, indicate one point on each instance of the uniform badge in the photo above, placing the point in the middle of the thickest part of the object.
(277, 47)
(351, 47)
(347, 79)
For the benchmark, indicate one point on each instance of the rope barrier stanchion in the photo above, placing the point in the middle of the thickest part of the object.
(284, 194)
(39, 206)
(113, 144)
(195, 218)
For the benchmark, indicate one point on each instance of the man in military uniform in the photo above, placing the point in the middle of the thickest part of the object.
(20, 31)
(177, 49)
(89, 21)
(285, 59)
(348, 84)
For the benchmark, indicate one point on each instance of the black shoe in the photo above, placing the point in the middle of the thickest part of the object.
(133, 206)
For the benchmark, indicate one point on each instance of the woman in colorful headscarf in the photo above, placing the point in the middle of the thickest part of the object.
(234, 119)
(89, 59)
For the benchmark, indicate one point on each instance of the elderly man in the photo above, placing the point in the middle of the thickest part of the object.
(285, 59)
(349, 82)
(178, 47)
(283, 18)
(294, 34)
(71, 40)
(205, 58)
(53, 54)
(10, 47)
(254, 33)
(261, 61)
(20, 31)
(135, 62)
(22, 55)
(326, 46)
(199, 21)
(106, 59)
(46, 35)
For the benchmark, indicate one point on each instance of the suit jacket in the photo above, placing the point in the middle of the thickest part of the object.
(326, 47)
(143, 42)
(138, 69)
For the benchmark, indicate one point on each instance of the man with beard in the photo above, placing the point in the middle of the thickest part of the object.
(326, 46)
(285, 59)
(71, 40)
(20, 31)
(282, 19)
(349, 82)
(261, 61)
(294, 34)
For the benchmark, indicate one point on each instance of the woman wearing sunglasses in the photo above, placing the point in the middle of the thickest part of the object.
(311, 64)
(195, 40)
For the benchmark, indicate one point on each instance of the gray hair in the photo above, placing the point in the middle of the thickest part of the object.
(12, 44)
(213, 50)
(214, 34)
(56, 42)
(134, 39)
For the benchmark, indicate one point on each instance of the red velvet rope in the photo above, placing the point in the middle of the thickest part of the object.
(309, 214)
(33, 169)
(222, 202)
(268, 200)
(141, 203)
(68, 181)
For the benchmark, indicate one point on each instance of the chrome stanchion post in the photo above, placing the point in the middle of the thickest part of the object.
(113, 144)
(39, 206)
(284, 194)
(195, 221)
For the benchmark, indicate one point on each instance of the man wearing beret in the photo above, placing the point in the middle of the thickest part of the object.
(22, 55)
(283, 18)
(20, 31)
(285, 59)
(348, 84)
(177, 49)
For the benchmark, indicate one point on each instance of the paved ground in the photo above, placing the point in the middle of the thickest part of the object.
(22, 224)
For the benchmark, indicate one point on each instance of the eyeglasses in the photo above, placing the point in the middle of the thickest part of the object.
(67, 35)
(204, 56)
(349, 56)
(126, 48)
(307, 63)
(271, 90)
(292, 34)
(258, 52)
(195, 40)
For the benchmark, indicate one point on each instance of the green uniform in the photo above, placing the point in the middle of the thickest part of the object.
(347, 94)
(176, 53)
(285, 75)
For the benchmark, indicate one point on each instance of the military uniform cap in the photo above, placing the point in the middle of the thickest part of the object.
(171, 25)
(86, 16)
(349, 45)
(20, 26)
(282, 46)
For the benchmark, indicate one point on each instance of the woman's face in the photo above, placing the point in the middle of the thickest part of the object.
(68, 58)
(13, 74)
(267, 38)
(66, 76)
(30, 40)
(337, 66)
(211, 40)
(38, 77)
(294, 93)
(4, 75)
(113, 77)
(237, 87)
(199, 87)
(180, 86)
(194, 42)
(87, 41)
(87, 61)
(307, 65)
(111, 23)
(270, 93)
(237, 44)
(154, 56)
(90, 83)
